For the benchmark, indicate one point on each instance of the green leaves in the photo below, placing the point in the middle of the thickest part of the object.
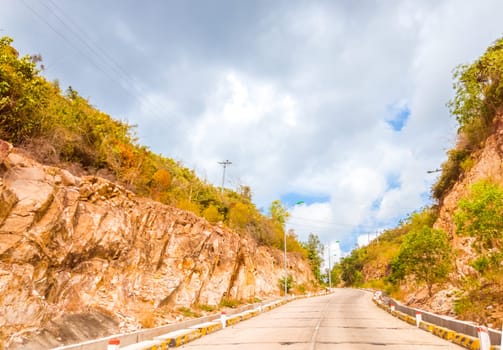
(479, 87)
(480, 215)
(314, 249)
(478, 98)
(425, 254)
(278, 213)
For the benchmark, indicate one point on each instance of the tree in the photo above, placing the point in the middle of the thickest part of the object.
(314, 249)
(278, 213)
(426, 254)
(352, 266)
(479, 87)
(480, 215)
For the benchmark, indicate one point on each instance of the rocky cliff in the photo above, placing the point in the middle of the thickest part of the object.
(487, 165)
(86, 247)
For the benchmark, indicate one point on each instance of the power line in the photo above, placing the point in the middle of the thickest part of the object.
(96, 55)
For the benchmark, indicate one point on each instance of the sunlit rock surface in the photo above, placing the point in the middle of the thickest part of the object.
(88, 247)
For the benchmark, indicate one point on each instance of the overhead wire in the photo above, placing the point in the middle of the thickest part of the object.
(95, 54)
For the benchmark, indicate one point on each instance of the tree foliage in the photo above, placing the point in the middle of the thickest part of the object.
(278, 213)
(479, 88)
(480, 215)
(314, 249)
(478, 98)
(425, 254)
(351, 268)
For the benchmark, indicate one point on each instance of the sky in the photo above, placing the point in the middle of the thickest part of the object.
(338, 108)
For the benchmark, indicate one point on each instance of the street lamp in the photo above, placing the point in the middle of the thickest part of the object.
(330, 267)
(286, 273)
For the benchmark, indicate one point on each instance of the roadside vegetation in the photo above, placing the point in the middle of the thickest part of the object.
(415, 254)
(478, 98)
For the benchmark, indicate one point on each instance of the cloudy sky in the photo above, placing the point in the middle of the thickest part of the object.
(340, 104)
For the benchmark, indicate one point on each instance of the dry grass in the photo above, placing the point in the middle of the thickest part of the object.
(147, 319)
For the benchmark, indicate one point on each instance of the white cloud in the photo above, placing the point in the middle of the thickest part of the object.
(297, 95)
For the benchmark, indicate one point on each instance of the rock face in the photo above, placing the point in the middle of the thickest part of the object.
(72, 245)
(488, 165)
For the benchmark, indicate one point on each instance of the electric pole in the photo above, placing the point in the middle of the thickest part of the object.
(224, 163)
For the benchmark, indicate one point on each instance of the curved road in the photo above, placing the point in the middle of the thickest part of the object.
(347, 319)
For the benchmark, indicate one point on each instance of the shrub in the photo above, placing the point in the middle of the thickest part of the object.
(230, 303)
(479, 215)
(426, 254)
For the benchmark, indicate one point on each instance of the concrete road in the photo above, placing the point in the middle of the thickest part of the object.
(347, 319)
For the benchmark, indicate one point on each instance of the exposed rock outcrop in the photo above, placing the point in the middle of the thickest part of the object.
(71, 245)
(488, 165)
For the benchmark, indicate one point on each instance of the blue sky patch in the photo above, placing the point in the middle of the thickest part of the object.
(393, 181)
(292, 198)
(399, 116)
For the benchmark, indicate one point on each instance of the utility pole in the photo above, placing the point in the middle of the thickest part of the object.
(224, 163)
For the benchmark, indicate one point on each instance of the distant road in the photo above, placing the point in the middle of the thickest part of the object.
(347, 319)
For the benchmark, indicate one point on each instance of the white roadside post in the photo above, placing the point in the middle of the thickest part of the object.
(223, 319)
(419, 318)
(485, 341)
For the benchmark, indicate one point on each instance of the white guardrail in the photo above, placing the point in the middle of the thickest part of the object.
(466, 334)
(177, 334)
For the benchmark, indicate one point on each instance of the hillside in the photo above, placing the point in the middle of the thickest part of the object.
(88, 248)
(448, 258)
(99, 235)
(63, 129)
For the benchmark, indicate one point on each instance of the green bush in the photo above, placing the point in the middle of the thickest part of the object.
(426, 254)
(479, 215)
(289, 284)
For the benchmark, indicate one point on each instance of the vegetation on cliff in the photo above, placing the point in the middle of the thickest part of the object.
(478, 99)
(62, 128)
(415, 253)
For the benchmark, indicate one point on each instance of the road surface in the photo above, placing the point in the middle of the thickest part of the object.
(347, 319)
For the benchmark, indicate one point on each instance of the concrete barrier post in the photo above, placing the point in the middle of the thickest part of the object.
(223, 319)
(485, 341)
(419, 318)
(114, 344)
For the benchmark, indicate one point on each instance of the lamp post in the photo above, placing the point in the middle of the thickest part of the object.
(330, 266)
(329, 269)
(286, 273)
